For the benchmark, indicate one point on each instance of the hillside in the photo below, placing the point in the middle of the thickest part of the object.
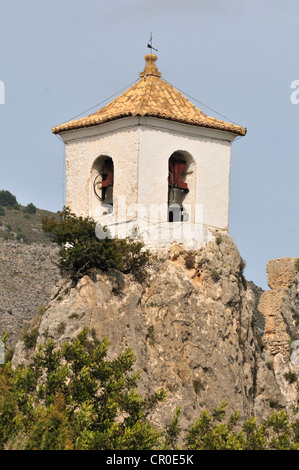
(27, 271)
(21, 226)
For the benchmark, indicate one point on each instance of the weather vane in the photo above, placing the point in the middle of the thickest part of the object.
(150, 44)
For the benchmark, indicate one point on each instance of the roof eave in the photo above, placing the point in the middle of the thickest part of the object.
(218, 125)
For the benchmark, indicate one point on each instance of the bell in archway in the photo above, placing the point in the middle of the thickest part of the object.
(176, 196)
(108, 197)
(175, 204)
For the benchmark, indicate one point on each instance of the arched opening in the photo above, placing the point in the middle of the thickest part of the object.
(181, 186)
(102, 180)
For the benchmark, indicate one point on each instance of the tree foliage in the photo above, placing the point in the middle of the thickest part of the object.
(8, 200)
(74, 398)
(30, 209)
(213, 432)
(81, 251)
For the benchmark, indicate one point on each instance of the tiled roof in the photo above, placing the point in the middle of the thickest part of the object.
(151, 96)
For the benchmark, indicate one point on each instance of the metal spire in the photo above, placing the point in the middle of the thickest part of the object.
(150, 44)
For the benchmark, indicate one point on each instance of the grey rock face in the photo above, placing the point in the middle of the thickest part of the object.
(27, 277)
(280, 308)
(290, 309)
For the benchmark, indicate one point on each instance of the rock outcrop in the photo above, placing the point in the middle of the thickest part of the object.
(290, 309)
(281, 274)
(191, 324)
(280, 309)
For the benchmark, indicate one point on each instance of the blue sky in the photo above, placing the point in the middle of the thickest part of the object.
(59, 58)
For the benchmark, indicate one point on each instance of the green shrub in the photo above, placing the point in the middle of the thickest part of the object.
(116, 290)
(72, 398)
(297, 264)
(198, 386)
(76, 315)
(8, 200)
(291, 377)
(81, 251)
(22, 238)
(30, 209)
(151, 334)
(61, 328)
(2, 211)
(190, 262)
(211, 431)
(242, 265)
(218, 240)
(215, 276)
(7, 236)
(30, 338)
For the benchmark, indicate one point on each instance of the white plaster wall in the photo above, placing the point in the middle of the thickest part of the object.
(81, 152)
(212, 161)
(140, 149)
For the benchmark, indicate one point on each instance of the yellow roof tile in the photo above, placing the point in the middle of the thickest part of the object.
(151, 96)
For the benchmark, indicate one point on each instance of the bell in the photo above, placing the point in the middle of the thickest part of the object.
(108, 200)
(175, 204)
(176, 196)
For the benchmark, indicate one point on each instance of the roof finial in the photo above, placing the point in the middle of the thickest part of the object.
(150, 66)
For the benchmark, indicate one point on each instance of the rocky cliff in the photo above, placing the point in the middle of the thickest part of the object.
(193, 325)
(280, 308)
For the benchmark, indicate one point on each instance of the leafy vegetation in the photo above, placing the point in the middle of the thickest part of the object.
(30, 209)
(30, 338)
(190, 262)
(218, 240)
(215, 275)
(75, 398)
(211, 432)
(291, 377)
(81, 251)
(8, 200)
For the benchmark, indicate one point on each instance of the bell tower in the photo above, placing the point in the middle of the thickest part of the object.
(150, 163)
